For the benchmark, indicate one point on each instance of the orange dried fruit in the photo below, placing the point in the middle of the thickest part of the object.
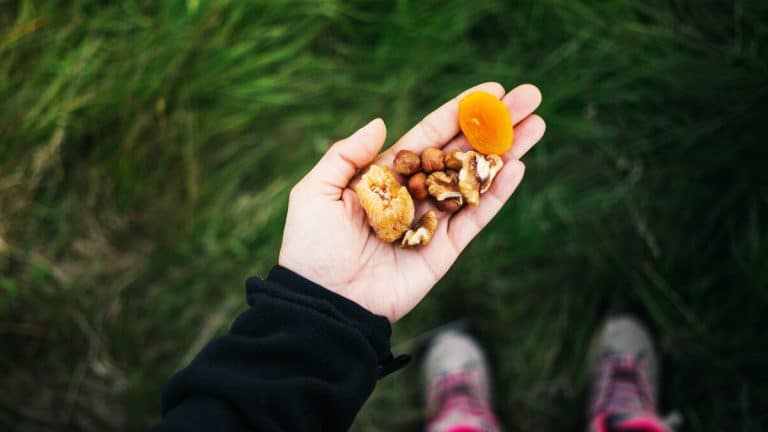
(486, 123)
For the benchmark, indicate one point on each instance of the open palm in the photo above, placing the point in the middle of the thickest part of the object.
(327, 238)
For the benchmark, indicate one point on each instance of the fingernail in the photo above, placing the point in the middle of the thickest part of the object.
(373, 124)
(377, 119)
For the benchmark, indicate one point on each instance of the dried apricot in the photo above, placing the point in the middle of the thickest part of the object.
(486, 123)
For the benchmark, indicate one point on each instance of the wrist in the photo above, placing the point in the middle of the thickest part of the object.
(330, 278)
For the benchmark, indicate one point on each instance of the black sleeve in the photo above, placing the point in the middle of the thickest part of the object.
(301, 358)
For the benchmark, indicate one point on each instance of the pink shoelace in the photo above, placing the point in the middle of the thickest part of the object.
(623, 384)
(624, 398)
(458, 386)
(458, 395)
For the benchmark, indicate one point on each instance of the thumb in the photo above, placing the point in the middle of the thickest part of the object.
(340, 163)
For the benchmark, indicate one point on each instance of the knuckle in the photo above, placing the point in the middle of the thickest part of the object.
(430, 131)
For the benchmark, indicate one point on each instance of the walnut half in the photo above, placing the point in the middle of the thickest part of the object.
(477, 174)
(443, 185)
(387, 203)
(422, 231)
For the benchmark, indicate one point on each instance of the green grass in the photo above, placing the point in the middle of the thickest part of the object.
(146, 151)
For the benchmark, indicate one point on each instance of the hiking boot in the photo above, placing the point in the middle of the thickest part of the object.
(457, 385)
(624, 370)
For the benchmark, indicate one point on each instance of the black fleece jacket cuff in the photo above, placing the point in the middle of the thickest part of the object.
(285, 283)
(301, 358)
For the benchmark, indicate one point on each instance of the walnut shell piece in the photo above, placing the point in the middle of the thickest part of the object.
(443, 185)
(420, 234)
(407, 162)
(387, 203)
(432, 159)
(477, 174)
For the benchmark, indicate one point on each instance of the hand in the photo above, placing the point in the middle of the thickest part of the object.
(327, 238)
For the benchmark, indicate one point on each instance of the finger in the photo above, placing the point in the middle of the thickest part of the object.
(340, 163)
(527, 133)
(467, 223)
(521, 102)
(438, 127)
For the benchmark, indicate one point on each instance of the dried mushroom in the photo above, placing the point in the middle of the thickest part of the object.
(477, 174)
(387, 203)
(422, 231)
(443, 185)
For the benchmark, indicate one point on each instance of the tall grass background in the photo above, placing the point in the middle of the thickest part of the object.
(147, 148)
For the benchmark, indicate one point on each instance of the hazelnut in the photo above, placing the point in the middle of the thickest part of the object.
(453, 160)
(417, 186)
(432, 159)
(422, 231)
(450, 205)
(407, 162)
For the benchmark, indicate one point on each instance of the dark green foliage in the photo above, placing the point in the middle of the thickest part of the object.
(147, 148)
